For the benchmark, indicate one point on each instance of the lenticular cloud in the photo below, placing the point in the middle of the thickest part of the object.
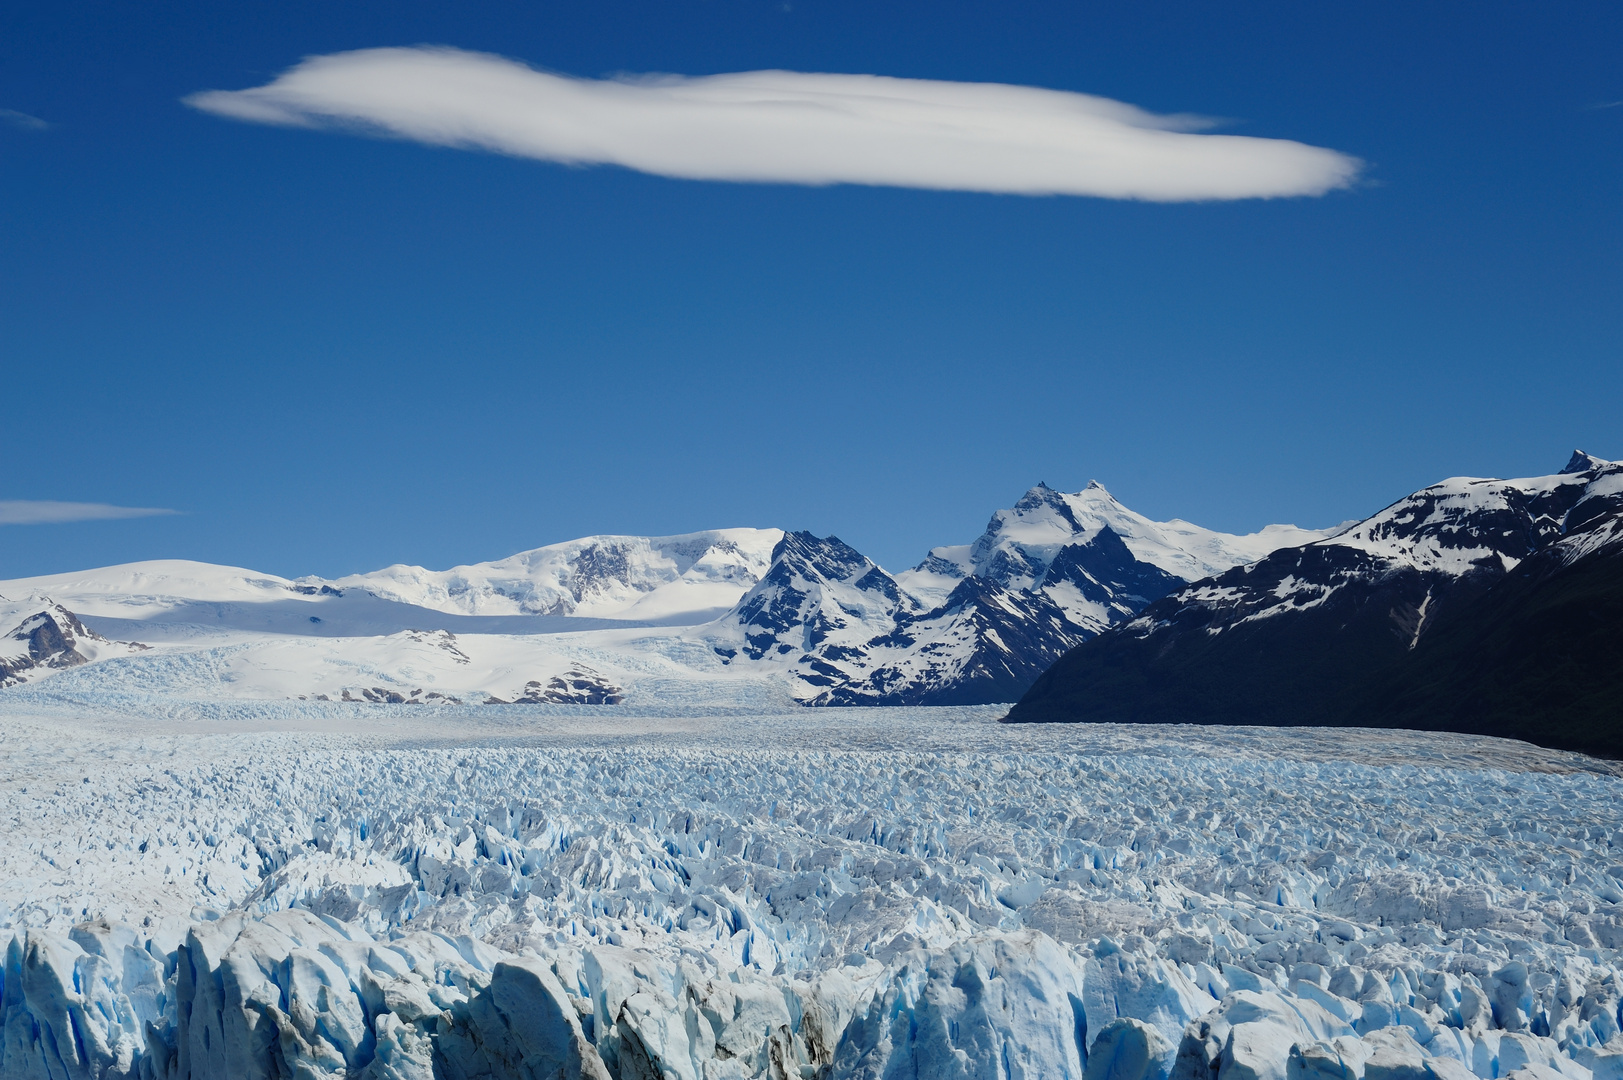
(45, 512)
(789, 127)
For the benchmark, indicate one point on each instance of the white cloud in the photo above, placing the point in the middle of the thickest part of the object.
(34, 512)
(23, 120)
(788, 127)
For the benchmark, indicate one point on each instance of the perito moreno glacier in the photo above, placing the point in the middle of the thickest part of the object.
(380, 891)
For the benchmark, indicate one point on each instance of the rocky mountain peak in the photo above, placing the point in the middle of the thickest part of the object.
(47, 638)
(1582, 462)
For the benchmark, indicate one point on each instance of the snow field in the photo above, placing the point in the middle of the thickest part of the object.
(869, 893)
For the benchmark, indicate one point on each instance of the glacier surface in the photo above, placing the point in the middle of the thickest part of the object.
(327, 890)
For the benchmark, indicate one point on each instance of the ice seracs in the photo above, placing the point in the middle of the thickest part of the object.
(912, 892)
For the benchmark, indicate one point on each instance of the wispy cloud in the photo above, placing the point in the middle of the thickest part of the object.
(788, 127)
(37, 512)
(22, 120)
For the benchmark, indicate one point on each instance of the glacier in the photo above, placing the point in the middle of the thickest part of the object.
(322, 889)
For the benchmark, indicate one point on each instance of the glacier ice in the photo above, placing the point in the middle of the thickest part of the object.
(862, 893)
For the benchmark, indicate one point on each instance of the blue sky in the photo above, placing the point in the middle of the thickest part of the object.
(331, 352)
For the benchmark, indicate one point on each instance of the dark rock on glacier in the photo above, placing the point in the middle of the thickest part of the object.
(578, 686)
(45, 639)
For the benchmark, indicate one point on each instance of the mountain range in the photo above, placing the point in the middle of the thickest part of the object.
(975, 623)
(1481, 605)
(1476, 605)
(726, 615)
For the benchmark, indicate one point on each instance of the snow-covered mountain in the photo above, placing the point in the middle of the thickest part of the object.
(1021, 543)
(979, 622)
(819, 595)
(1456, 586)
(729, 614)
(46, 637)
(1442, 540)
(677, 580)
(467, 635)
(669, 580)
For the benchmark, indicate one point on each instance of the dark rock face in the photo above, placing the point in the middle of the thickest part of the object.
(600, 562)
(855, 637)
(579, 685)
(993, 636)
(47, 639)
(1489, 607)
(797, 605)
(1006, 639)
(1538, 657)
(1105, 572)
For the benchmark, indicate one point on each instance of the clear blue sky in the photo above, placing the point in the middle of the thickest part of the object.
(334, 352)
